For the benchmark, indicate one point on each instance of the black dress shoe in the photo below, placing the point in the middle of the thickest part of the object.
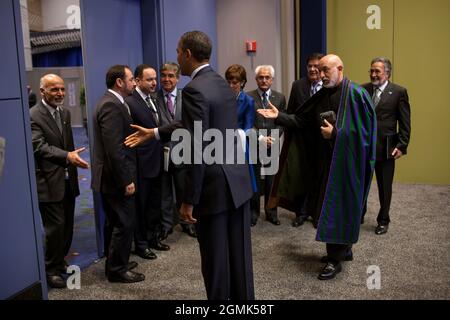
(381, 229)
(146, 254)
(330, 271)
(189, 229)
(274, 221)
(126, 277)
(130, 266)
(164, 234)
(348, 257)
(158, 245)
(298, 221)
(56, 281)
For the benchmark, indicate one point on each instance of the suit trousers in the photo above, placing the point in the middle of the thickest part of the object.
(337, 252)
(226, 254)
(148, 210)
(266, 185)
(384, 171)
(119, 227)
(57, 218)
(168, 207)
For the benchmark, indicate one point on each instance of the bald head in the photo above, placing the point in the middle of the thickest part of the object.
(331, 70)
(52, 90)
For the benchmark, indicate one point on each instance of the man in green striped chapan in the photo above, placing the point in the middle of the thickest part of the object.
(335, 161)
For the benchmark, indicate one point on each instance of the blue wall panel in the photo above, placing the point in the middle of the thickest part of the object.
(111, 34)
(9, 82)
(21, 245)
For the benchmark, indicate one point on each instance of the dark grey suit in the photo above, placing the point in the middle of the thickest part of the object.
(220, 193)
(279, 101)
(56, 190)
(114, 168)
(393, 109)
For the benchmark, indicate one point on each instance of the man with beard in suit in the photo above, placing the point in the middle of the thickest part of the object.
(114, 173)
(145, 112)
(56, 174)
(392, 108)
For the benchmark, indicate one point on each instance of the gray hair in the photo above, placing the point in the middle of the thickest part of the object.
(269, 67)
(386, 62)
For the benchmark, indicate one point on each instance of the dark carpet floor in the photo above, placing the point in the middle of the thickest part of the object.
(413, 258)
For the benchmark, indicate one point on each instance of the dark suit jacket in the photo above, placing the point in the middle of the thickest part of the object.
(213, 188)
(165, 114)
(393, 108)
(113, 165)
(300, 92)
(50, 154)
(150, 154)
(277, 99)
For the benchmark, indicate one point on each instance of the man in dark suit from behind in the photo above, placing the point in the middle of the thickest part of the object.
(264, 76)
(301, 91)
(170, 104)
(215, 196)
(56, 174)
(114, 173)
(144, 112)
(392, 108)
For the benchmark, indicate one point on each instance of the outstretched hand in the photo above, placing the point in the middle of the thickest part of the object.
(74, 158)
(139, 137)
(269, 113)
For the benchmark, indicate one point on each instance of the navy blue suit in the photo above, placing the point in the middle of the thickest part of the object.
(220, 193)
(149, 165)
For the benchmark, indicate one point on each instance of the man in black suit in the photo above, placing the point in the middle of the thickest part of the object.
(264, 79)
(392, 108)
(301, 91)
(216, 196)
(56, 174)
(170, 104)
(145, 113)
(114, 173)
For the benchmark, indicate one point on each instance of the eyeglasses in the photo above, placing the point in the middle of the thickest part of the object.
(261, 78)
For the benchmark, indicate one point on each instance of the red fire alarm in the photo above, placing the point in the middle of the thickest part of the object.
(250, 45)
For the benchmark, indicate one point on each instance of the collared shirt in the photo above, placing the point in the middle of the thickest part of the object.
(144, 97)
(173, 96)
(117, 95)
(260, 92)
(315, 87)
(194, 73)
(382, 87)
(50, 108)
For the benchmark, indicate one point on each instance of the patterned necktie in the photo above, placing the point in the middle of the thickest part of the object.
(315, 87)
(265, 102)
(170, 104)
(152, 108)
(376, 96)
(57, 117)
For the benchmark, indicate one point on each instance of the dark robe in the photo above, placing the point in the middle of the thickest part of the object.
(338, 171)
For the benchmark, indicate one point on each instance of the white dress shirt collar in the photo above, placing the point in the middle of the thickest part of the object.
(118, 96)
(194, 73)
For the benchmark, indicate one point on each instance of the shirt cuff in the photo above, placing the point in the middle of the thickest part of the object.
(157, 134)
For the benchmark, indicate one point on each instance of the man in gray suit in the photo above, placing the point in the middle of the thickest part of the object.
(56, 174)
(169, 102)
(392, 108)
(264, 79)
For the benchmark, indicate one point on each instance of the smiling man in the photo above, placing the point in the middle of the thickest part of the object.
(392, 107)
(340, 157)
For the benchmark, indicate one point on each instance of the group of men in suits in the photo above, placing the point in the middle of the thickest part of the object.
(136, 185)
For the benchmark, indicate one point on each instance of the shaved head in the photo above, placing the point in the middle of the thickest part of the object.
(331, 70)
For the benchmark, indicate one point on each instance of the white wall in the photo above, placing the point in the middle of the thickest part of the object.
(54, 13)
(258, 20)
